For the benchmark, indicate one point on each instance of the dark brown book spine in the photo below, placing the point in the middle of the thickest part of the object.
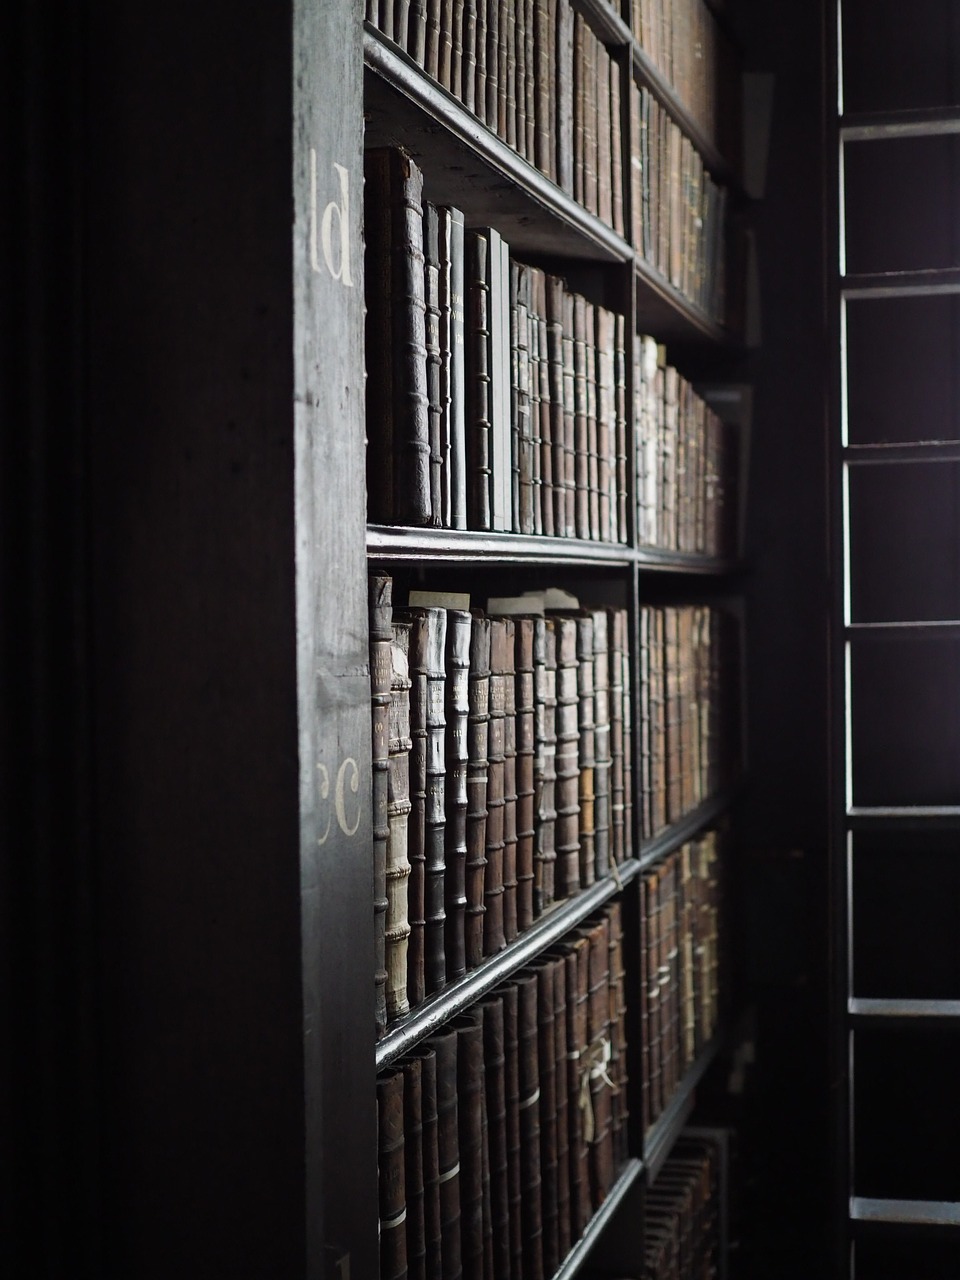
(621, 528)
(511, 1049)
(496, 1104)
(606, 425)
(446, 43)
(554, 317)
(568, 766)
(468, 75)
(543, 376)
(586, 749)
(529, 1109)
(616, 146)
(508, 69)
(480, 56)
(413, 1142)
(393, 1208)
(546, 1054)
(544, 764)
(417, 32)
(431, 255)
(525, 771)
(474, 1155)
(478, 734)
(580, 412)
(601, 1160)
(380, 587)
(399, 805)
(601, 742)
(570, 416)
(455, 789)
(536, 442)
(448, 1144)
(509, 784)
(493, 934)
(591, 46)
(650, 1009)
(543, 70)
(566, 1101)
(616, 631)
(565, 97)
(575, 962)
(593, 451)
(479, 388)
(432, 39)
(529, 82)
(604, 136)
(431, 1161)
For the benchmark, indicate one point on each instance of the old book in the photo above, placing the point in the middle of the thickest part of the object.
(606, 421)
(401, 22)
(495, 1098)
(558, 467)
(455, 84)
(508, 69)
(478, 728)
(524, 694)
(432, 1231)
(432, 39)
(547, 1068)
(581, 1128)
(511, 1049)
(566, 1101)
(413, 1142)
(543, 430)
(508, 676)
(529, 1111)
(444, 1045)
(453, 368)
(380, 591)
(593, 449)
(393, 1235)
(544, 764)
(479, 391)
(384, 18)
(636, 173)
(399, 806)
(567, 759)
(619, 491)
(472, 1119)
(586, 748)
(480, 70)
(493, 931)
(417, 32)
(579, 94)
(502, 475)
(616, 632)
(457, 703)
(600, 1138)
(571, 514)
(536, 443)
(604, 136)
(468, 74)
(601, 741)
(581, 394)
(565, 97)
(494, 88)
(445, 64)
(616, 147)
(431, 256)
(618, 1037)
(628, 770)
(591, 55)
(398, 481)
(529, 81)
(543, 70)
(522, 429)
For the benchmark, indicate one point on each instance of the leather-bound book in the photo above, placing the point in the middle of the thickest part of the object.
(444, 1045)
(547, 1066)
(496, 1105)
(494, 87)
(416, 823)
(455, 84)
(579, 132)
(619, 492)
(673, 717)
(604, 136)
(446, 42)
(522, 416)
(511, 1051)
(565, 1101)
(432, 40)
(601, 1157)
(686, 943)
(398, 479)
(637, 171)
(384, 18)
(580, 410)
(544, 507)
(601, 740)
(417, 31)
(468, 73)
(536, 443)
(606, 424)
(616, 147)
(586, 749)
(544, 73)
(427, 643)
(565, 96)
(645, 634)
(508, 34)
(567, 759)
(628, 772)
(544, 764)
(558, 470)
(401, 22)
(480, 58)
(591, 48)
(457, 703)
(493, 935)
(525, 700)
(571, 529)
(650, 976)
(616, 633)
(578, 990)
(399, 806)
(593, 452)
(412, 1069)
(380, 592)
(431, 265)
(478, 733)
(508, 676)
(529, 1109)
(529, 82)
(472, 1120)
(479, 391)
(393, 1235)
(430, 1160)
(658, 719)
(453, 368)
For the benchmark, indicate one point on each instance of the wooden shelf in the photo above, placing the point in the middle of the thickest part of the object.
(923, 1213)
(901, 284)
(467, 165)
(665, 1130)
(575, 1259)
(453, 546)
(688, 826)
(670, 315)
(652, 560)
(548, 929)
(885, 125)
(906, 1012)
(903, 817)
(649, 75)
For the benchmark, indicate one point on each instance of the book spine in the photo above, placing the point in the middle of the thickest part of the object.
(478, 375)
(511, 1048)
(628, 838)
(385, 17)
(529, 1112)
(619, 493)
(474, 1154)
(509, 784)
(457, 662)
(444, 70)
(401, 22)
(544, 764)
(570, 416)
(378, 335)
(416, 823)
(508, 69)
(448, 1145)
(478, 732)
(413, 1144)
(606, 422)
(468, 75)
(604, 136)
(546, 1057)
(545, 451)
(601, 1089)
(452, 288)
(380, 589)
(431, 251)
(601, 742)
(495, 88)
(554, 320)
(432, 1229)
(593, 448)
(522, 415)
(581, 1132)
(393, 1209)
(618, 1036)
(525, 701)
(591, 49)
(480, 45)
(566, 1102)
(581, 428)
(398, 866)
(529, 81)
(565, 97)
(568, 767)
(616, 146)
(501, 497)
(417, 32)
(586, 750)
(432, 39)
(455, 84)
(493, 933)
(616, 620)
(496, 1103)
(543, 70)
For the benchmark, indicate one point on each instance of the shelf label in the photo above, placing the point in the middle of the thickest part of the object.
(348, 777)
(330, 247)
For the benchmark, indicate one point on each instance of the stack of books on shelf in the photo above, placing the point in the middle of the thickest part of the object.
(687, 462)
(502, 775)
(682, 1214)
(679, 968)
(496, 397)
(501, 1135)
(689, 678)
(535, 73)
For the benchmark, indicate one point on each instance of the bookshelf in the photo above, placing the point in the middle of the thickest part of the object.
(662, 564)
(893, 127)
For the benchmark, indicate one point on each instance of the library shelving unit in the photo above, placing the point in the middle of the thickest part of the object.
(894, 132)
(430, 103)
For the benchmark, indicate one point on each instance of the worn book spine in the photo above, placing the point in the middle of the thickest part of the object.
(431, 253)
(468, 73)
(480, 57)
(658, 719)
(508, 35)
(619, 491)
(472, 1120)
(502, 475)
(380, 590)
(446, 42)
(522, 415)
(455, 84)
(399, 805)
(536, 443)
(529, 1109)
(554, 321)
(618, 1037)
(636, 175)
(645, 1005)
(448, 1144)
(525, 703)
(478, 386)
(413, 1142)
(601, 742)
(416, 823)
(478, 732)
(593, 448)
(384, 18)
(529, 81)
(509, 783)
(616, 632)
(511, 1049)
(493, 934)
(604, 136)
(432, 39)
(582, 1206)
(591, 55)
(568, 766)
(579, 91)
(432, 1231)
(565, 97)
(628, 772)
(580, 409)
(457, 702)
(393, 1209)
(453, 370)
(545, 452)
(546, 1056)
(565, 1102)
(673, 717)
(417, 32)
(571, 529)
(616, 147)
(542, 69)
(496, 1103)
(495, 88)
(586, 749)
(607, 422)
(401, 22)
(544, 764)
(602, 1168)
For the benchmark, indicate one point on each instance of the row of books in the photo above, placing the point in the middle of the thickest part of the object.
(679, 967)
(496, 397)
(535, 73)
(500, 1136)
(689, 705)
(679, 213)
(682, 1215)
(687, 462)
(689, 48)
(502, 775)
